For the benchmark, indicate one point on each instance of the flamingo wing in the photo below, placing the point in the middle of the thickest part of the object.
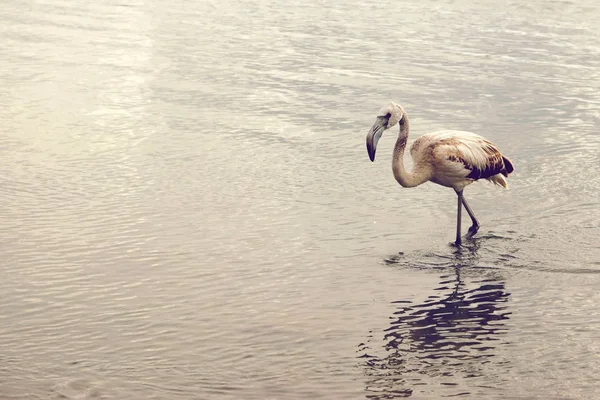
(478, 156)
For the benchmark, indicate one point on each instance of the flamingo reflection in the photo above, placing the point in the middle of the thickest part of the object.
(443, 345)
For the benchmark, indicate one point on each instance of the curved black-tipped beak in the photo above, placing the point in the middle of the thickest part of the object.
(374, 135)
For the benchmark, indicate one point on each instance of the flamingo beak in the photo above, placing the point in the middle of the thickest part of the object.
(374, 135)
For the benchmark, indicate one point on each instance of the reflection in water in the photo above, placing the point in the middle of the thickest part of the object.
(447, 340)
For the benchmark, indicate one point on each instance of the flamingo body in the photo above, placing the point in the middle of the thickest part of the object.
(459, 158)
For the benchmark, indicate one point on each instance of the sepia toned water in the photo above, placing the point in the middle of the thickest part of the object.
(188, 210)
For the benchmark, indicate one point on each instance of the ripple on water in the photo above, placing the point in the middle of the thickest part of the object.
(458, 339)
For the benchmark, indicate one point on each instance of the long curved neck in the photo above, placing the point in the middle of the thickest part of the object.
(406, 179)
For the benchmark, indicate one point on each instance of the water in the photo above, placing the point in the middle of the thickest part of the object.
(189, 211)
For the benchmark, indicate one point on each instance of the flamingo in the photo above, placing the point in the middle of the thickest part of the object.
(453, 159)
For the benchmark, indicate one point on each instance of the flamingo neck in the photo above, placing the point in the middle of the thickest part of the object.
(405, 178)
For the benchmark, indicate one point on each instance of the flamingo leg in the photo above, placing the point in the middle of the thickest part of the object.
(458, 215)
(475, 227)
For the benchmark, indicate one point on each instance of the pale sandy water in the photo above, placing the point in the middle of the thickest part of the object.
(188, 210)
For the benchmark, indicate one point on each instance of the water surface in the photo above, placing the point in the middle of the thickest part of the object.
(188, 209)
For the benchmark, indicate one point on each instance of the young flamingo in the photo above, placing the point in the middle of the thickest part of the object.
(449, 158)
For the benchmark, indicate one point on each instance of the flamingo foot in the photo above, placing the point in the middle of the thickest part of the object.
(472, 231)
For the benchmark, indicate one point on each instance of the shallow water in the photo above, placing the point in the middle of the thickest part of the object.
(188, 209)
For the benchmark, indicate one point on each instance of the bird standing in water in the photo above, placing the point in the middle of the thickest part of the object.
(449, 158)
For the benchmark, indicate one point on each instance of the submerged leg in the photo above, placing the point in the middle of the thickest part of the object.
(475, 227)
(458, 215)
